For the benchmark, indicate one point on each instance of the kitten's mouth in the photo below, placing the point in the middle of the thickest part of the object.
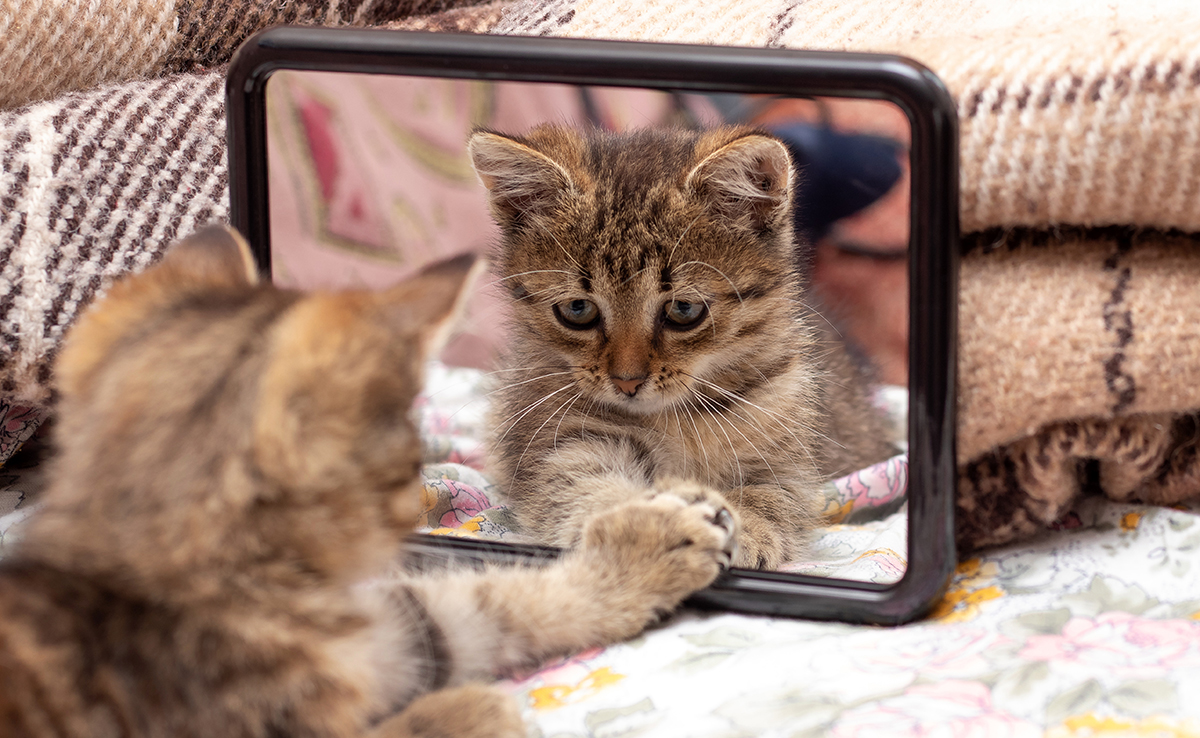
(647, 400)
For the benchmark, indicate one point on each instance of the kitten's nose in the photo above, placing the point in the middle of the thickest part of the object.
(629, 386)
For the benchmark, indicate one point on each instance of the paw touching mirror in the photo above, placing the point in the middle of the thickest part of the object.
(216, 549)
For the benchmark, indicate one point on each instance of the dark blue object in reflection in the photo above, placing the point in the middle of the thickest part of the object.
(840, 173)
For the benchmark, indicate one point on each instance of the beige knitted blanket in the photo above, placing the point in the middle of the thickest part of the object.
(1080, 126)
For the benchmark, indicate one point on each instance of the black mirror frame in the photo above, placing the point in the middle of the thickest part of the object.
(933, 251)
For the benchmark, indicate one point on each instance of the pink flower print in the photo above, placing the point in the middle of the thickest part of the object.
(875, 485)
(467, 502)
(1121, 644)
(949, 709)
(955, 652)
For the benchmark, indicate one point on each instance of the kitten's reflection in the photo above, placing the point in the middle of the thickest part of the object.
(660, 336)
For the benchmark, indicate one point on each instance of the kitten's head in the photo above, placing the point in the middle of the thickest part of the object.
(649, 265)
(214, 426)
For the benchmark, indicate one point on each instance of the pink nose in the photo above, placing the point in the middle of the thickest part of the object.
(629, 386)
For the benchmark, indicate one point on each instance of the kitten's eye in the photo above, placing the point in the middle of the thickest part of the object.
(577, 314)
(683, 314)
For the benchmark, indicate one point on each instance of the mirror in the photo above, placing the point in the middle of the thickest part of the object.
(359, 171)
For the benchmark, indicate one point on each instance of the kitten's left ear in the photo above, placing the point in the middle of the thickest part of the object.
(748, 180)
(433, 300)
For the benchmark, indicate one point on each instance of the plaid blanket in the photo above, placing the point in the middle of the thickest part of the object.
(1080, 199)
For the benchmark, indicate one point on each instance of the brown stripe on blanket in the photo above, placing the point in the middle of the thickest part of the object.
(211, 31)
(1079, 371)
(1078, 323)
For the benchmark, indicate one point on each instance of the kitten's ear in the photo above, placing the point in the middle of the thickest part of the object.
(213, 256)
(431, 302)
(748, 180)
(521, 181)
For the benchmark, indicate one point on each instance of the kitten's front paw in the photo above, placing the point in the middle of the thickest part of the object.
(760, 544)
(666, 545)
(469, 711)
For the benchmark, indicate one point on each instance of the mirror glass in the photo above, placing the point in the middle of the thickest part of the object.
(370, 178)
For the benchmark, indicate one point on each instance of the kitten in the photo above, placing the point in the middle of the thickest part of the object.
(236, 465)
(659, 330)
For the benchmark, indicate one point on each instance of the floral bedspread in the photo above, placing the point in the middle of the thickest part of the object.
(1093, 630)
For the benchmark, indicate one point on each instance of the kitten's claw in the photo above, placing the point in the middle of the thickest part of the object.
(724, 520)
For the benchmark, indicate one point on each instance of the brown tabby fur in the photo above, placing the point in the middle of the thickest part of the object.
(757, 400)
(236, 466)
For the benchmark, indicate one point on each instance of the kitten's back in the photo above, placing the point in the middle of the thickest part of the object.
(231, 460)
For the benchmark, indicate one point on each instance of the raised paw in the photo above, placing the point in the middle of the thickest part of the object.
(469, 711)
(666, 545)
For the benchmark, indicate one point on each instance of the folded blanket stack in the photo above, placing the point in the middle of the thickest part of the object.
(1080, 144)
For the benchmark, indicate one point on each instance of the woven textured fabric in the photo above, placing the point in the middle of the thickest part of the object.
(1076, 324)
(211, 30)
(1071, 112)
(95, 185)
(48, 47)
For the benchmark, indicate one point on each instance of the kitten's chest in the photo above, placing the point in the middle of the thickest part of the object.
(725, 449)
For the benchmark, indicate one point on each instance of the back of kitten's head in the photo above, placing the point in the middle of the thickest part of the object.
(645, 262)
(213, 427)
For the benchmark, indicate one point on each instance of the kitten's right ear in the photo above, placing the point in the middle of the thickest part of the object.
(212, 256)
(521, 181)
(748, 181)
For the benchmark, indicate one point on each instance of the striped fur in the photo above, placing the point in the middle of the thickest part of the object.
(236, 467)
(751, 398)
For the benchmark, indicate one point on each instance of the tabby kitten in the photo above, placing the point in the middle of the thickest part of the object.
(236, 464)
(660, 331)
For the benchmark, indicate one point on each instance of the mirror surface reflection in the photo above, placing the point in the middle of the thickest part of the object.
(370, 178)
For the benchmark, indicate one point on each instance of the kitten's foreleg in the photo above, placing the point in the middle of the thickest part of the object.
(776, 523)
(635, 563)
(556, 497)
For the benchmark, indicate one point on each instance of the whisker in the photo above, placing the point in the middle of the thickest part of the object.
(558, 427)
(784, 421)
(526, 411)
(699, 436)
(749, 421)
(526, 381)
(534, 435)
(732, 450)
(736, 291)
